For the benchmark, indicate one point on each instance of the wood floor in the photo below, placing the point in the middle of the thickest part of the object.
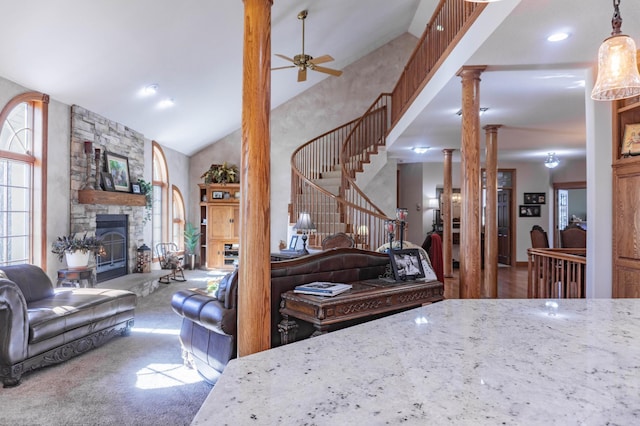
(512, 283)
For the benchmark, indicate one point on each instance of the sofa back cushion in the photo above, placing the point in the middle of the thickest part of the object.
(33, 282)
(227, 289)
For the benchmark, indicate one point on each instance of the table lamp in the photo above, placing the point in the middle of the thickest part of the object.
(304, 224)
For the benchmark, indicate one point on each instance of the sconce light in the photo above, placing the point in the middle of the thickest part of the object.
(618, 76)
(551, 161)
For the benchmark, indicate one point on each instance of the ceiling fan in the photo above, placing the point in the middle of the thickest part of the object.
(304, 62)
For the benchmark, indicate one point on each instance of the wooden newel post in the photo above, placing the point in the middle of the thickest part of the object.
(254, 275)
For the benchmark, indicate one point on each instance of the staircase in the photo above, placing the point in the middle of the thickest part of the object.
(324, 170)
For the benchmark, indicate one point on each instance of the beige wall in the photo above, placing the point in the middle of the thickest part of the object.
(323, 107)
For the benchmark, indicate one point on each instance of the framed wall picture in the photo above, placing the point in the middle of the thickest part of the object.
(631, 140)
(529, 211)
(107, 181)
(217, 195)
(406, 264)
(535, 198)
(135, 188)
(118, 168)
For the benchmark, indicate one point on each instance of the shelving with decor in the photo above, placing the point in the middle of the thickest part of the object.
(625, 197)
(220, 224)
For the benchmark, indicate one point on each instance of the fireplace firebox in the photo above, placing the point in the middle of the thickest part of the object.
(113, 261)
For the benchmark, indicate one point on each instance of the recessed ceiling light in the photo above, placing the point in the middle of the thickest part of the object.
(166, 103)
(558, 37)
(151, 89)
(420, 149)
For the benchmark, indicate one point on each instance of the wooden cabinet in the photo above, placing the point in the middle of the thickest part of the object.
(626, 200)
(220, 224)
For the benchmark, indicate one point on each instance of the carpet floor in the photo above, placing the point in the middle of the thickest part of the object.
(135, 380)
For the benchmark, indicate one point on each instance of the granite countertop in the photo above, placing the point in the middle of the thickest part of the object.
(512, 362)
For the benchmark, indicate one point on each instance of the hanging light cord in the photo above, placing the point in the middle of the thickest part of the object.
(616, 21)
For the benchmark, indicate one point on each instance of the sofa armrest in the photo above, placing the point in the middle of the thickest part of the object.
(14, 332)
(206, 311)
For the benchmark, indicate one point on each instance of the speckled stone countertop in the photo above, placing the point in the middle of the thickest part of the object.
(470, 362)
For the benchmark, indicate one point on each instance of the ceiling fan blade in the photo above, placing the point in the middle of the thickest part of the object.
(321, 59)
(283, 57)
(302, 75)
(281, 68)
(326, 70)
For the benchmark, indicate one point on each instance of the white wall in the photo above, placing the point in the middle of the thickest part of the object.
(323, 107)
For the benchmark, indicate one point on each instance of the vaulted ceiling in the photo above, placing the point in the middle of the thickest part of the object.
(99, 54)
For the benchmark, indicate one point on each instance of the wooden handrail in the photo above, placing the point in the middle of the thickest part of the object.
(556, 273)
(349, 147)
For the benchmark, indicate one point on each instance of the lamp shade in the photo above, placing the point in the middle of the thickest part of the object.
(618, 76)
(304, 223)
(433, 203)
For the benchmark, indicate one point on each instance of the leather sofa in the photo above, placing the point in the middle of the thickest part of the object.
(209, 325)
(42, 325)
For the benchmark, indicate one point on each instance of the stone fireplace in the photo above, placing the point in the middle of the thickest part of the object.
(113, 137)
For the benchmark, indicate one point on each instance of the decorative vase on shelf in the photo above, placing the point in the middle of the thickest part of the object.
(77, 259)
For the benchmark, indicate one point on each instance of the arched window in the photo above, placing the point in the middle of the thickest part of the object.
(23, 147)
(177, 229)
(160, 196)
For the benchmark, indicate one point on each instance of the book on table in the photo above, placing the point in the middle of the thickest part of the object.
(322, 288)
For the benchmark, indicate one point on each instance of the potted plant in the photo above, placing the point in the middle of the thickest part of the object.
(191, 242)
(76, 250)
(146, 189)
(221, 173)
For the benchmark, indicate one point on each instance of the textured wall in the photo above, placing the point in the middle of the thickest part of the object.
(325, 106)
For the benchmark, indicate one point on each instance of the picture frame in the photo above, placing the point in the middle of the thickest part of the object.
(293, 243)
(106, 182)
(535, 198)
(529, 210)
(631, 139)
(118, 168)
(135, 188)
(217, 195)
(406, 264)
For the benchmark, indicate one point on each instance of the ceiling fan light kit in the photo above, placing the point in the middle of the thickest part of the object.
(304, 61)
(618, 76)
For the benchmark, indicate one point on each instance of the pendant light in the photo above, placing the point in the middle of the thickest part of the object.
(551, 161)
(618, 76)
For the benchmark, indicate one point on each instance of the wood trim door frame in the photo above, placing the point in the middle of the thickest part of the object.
(556, 187)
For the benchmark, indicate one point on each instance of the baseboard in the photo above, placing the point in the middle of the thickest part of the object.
(522, 264)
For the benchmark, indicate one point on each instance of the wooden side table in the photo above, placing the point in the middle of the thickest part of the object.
(74, 277)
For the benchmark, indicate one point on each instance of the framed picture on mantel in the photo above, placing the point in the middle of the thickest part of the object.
(118, 168)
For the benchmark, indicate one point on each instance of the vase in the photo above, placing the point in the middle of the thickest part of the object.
(77, 259)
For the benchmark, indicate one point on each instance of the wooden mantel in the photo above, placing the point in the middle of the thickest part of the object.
(89, 196)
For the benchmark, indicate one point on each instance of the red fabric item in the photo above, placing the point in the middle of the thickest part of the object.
(435, 254)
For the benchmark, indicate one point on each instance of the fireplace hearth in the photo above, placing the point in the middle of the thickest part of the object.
(113, 262)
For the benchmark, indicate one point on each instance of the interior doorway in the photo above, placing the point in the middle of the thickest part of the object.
(505, 212)
(569, 207)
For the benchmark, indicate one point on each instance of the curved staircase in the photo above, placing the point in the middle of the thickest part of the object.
(324, 171)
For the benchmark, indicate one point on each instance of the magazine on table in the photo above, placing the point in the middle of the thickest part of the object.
(322, 288)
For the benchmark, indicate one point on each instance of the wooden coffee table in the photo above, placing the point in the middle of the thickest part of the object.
(369, 298)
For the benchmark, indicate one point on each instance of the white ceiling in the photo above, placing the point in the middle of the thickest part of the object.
(100, 53)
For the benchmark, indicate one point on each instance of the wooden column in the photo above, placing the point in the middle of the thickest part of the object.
(254, 275)
(490, 282)
(470, 267)
(445, 215)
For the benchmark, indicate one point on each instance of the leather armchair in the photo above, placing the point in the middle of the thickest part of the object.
(208, 331)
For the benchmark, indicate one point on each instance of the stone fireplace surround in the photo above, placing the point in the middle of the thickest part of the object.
(109, 136)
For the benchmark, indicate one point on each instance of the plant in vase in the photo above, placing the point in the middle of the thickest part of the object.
(146, 189)
(76, 250)
(221, 173)
(191, 242)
